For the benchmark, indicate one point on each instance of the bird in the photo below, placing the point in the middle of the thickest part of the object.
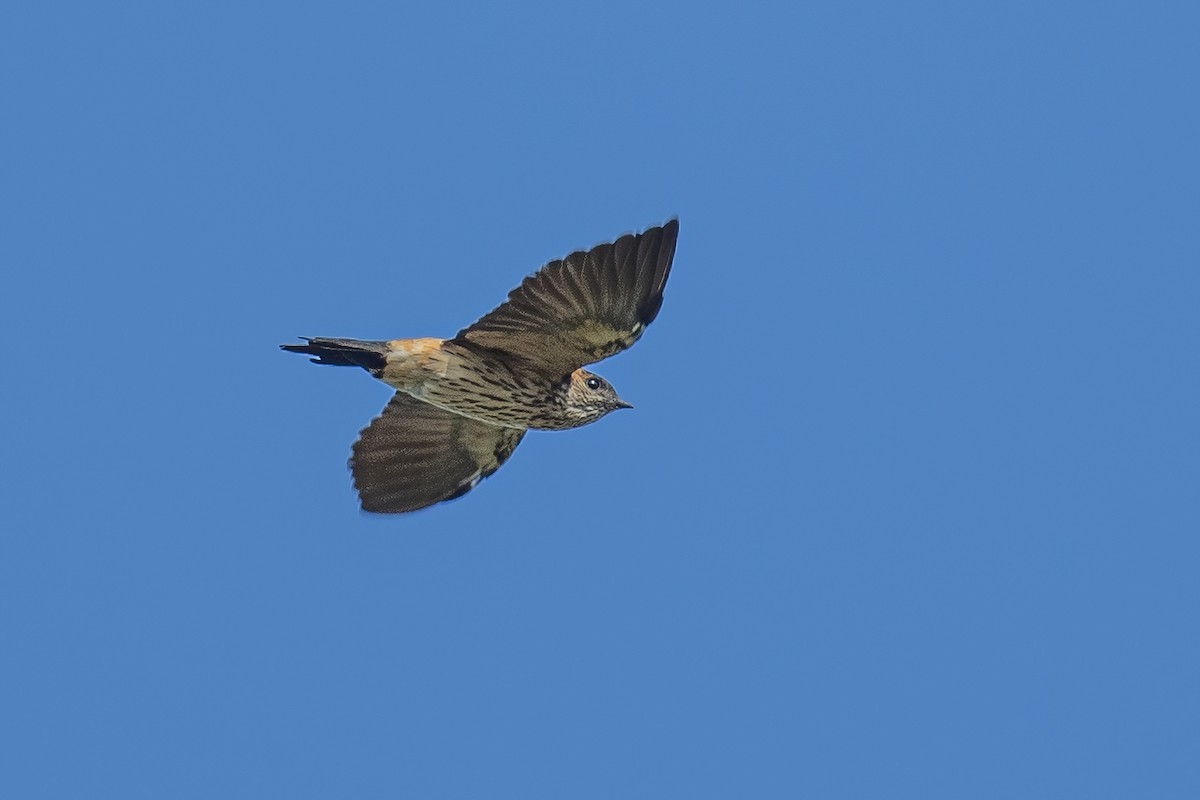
(462, 405)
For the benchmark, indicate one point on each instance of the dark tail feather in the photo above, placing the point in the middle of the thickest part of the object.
(371, 356)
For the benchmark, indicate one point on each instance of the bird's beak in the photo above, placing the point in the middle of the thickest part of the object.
(623, 404)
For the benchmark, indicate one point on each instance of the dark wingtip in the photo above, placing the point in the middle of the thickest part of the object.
(668, 232)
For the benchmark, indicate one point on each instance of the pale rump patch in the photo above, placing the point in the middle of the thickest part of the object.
(412, 362)
(415, 347)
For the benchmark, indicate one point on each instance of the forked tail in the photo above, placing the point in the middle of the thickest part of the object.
(371, 356)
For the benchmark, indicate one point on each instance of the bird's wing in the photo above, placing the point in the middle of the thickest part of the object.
(584, 307)
(414, 455)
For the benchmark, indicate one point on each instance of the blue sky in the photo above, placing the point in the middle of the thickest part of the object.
(908, 503)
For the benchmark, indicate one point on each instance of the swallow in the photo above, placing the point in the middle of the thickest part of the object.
(462, 405)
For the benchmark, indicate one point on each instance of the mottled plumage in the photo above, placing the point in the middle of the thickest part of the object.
(463, 404)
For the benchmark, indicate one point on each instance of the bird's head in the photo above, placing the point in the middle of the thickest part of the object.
(590, 397)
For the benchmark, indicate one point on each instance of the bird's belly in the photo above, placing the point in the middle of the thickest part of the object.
(484, 402)
(461, 381)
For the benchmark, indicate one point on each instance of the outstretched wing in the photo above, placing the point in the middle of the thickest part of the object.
(585, 307)
(414, 455)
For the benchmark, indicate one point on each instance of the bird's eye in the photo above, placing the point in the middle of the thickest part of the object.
(593, 383)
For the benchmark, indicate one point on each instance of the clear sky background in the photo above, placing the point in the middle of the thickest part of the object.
(909, 505)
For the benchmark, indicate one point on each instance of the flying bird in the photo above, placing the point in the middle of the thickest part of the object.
(462, 405)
